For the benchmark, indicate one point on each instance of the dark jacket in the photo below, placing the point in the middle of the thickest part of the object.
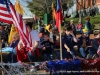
(95, 44)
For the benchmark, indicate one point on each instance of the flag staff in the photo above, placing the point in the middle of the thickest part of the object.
(59, 18)
(1, 48)
(60, 42)
(1, 53)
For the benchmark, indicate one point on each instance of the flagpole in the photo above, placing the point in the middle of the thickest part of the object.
(1, 48)
(60, 42)
(1, 53)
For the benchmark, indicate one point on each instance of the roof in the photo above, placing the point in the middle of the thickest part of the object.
(27, 17)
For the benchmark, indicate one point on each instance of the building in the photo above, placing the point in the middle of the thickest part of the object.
(80, 4)
(98, 4)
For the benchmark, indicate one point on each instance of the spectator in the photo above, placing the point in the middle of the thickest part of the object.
(42, 30)
(47, 49)
(94, 47)
(79, 27)
(4, 34)
(41, 40)
(35, 43)
(39, 24)
(83, 42)
(88, 25)
(15, 41)
(83, 48)
(68, 42)
(11, 57)
(73, 27)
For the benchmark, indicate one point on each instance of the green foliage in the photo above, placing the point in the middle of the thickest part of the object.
(39, 7)
(67, 4)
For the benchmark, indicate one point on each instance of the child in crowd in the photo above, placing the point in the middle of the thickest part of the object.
(46, 46)
(83, 43)
(12, 58)
(42, 30)
(15, 40)
(41, 40)
(79, 27)
(68, 42)
(94, 46)
(83, 48)
(57, 46)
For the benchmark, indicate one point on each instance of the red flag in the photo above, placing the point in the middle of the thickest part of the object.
(59, 15)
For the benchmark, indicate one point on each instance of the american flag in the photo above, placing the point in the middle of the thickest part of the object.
(4, 14)
(17, 20)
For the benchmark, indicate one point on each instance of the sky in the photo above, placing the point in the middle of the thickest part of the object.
(24, 4)
(71, 10)
(29, 14)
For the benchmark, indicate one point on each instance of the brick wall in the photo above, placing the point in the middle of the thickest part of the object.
(98, 2)
(80, 4)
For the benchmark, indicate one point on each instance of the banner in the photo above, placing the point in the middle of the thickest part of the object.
(12, 32)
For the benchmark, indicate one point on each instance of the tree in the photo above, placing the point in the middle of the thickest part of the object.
(39, 7)
(67, 4)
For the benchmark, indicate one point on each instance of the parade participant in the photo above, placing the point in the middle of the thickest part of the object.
(46, 46)
(15, 40)
(35, 41)
(94, 47)
(11, 57)
(83, 43)
(68, 42)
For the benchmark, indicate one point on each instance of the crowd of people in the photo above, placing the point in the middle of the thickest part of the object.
(47, 40)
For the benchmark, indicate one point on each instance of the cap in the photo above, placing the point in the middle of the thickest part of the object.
(87, 18)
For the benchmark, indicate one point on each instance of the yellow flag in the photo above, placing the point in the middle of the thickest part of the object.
(12, 32)
(53, 11)
(19, 8)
